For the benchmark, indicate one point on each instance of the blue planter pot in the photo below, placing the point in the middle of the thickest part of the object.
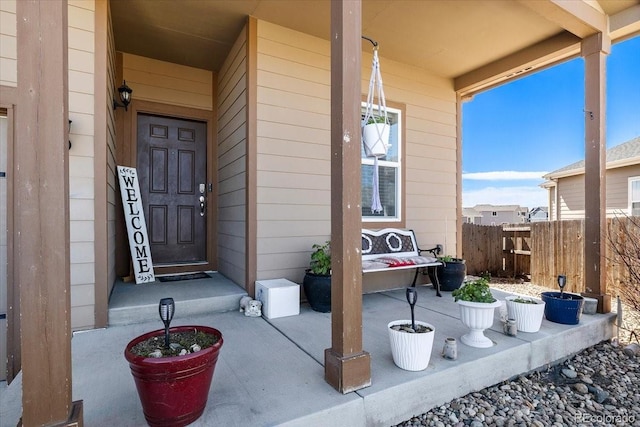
(565, 310)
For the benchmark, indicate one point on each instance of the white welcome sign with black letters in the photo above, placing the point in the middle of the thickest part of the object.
(136, 225)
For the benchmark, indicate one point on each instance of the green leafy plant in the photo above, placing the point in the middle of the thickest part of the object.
(321, 259)
(449, 258)
(376, 119)
(522, 300)
(474, 291)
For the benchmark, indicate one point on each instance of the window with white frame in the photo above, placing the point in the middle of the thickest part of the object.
(634, 195)
(389, 174)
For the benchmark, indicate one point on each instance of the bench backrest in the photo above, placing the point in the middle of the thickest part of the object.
(389, 241)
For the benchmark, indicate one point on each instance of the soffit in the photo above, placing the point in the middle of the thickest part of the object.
(447, 38)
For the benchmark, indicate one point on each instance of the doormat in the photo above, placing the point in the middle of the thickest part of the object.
(180, 277)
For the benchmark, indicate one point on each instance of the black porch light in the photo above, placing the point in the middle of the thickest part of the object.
(124, 92)
(166, 308)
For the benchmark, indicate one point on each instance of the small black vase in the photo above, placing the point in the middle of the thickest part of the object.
(317, 288)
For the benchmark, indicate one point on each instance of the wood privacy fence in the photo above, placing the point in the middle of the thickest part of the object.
(544, 250)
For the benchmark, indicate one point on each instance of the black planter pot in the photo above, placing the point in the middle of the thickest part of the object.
(451, 274)
(317, 288)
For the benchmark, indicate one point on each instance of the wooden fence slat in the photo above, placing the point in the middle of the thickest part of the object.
(556, 247)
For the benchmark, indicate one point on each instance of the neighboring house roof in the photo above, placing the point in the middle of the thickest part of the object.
(539, 209)
(498, 208)
(470, 213)
(625, 154)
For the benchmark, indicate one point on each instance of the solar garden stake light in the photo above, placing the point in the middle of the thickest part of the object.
(412, 298)
(166, 308)
(562, 281)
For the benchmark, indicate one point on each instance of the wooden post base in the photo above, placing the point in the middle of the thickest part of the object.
(604, 301)
(347, 374)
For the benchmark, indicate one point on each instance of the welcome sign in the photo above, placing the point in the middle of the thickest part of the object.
(136, 225)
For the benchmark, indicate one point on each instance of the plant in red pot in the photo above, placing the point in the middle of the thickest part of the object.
(173, 369)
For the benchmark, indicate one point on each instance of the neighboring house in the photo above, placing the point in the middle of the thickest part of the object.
(566, 185)
(471, 216)
(499, 214)
(232, 102)
(541, 213)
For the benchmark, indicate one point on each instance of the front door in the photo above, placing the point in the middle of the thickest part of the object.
(172, 170)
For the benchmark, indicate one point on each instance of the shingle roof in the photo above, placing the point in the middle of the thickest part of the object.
(498, 208)
(626, 150)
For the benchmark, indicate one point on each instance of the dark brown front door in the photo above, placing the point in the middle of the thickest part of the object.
(172, 170)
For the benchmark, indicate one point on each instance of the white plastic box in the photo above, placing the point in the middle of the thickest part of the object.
(279, 297)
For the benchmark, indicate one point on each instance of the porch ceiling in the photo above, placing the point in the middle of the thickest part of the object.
(447, 38)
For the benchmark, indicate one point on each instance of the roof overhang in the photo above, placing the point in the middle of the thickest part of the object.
(477, 44)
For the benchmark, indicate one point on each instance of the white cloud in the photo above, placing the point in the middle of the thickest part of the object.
(530, 196)
(503, 175)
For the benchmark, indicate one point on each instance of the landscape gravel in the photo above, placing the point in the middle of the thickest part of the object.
(599, 386)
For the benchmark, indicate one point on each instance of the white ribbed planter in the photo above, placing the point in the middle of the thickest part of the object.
(528, 316)
(376, 139)
(411, 352)
(477, 316)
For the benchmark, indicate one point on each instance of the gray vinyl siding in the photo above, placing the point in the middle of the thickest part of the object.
(293, 149)
(232, 160)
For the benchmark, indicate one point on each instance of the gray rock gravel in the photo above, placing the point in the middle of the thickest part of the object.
(549, 398)
(599, 386)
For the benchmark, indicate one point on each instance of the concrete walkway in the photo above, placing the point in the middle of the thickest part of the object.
(270, 373)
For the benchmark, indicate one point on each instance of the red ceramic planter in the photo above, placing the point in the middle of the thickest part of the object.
(174, 390)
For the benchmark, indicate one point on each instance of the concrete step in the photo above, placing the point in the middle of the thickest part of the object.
(130, 303)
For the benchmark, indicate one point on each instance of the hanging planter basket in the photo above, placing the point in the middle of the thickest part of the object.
(375, 137)
(375, 122)
(375, 126)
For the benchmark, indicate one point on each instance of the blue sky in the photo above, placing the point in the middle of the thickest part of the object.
(515, 133)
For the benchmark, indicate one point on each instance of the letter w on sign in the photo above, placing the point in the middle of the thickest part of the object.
(136, 225)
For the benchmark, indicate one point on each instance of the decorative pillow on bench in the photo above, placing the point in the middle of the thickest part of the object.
(423, 259)
(373, 265)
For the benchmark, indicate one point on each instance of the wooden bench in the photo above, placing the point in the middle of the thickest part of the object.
(392, 249)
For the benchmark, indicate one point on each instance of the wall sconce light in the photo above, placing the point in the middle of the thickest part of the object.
(124, 92)
(70, 132)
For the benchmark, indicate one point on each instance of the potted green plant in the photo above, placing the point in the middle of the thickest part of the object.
(527, 311)
(317, 279)
(411, 340)
(173, 368)
(375, 135)
(477, 306)
(451, 273)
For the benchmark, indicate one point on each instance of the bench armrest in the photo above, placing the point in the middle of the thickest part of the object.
(435, 251)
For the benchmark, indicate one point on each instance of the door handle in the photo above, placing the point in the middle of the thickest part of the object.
(202, 205)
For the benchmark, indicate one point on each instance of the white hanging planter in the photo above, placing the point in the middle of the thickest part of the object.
(376, 139)
(411, 351)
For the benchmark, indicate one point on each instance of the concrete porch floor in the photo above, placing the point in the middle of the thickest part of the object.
(270, 372)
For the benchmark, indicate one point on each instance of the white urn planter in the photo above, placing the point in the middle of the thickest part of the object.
(411, 351)
(528, 315)
(477, 316)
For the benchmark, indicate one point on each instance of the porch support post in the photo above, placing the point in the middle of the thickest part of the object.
(41, 249)
(594, 51)
(346, 366)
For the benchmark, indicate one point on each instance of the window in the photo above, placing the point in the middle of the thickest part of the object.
(634, 195)
(494, 213)
(389, 174)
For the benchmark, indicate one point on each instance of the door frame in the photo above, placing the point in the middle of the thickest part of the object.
(128, 157)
